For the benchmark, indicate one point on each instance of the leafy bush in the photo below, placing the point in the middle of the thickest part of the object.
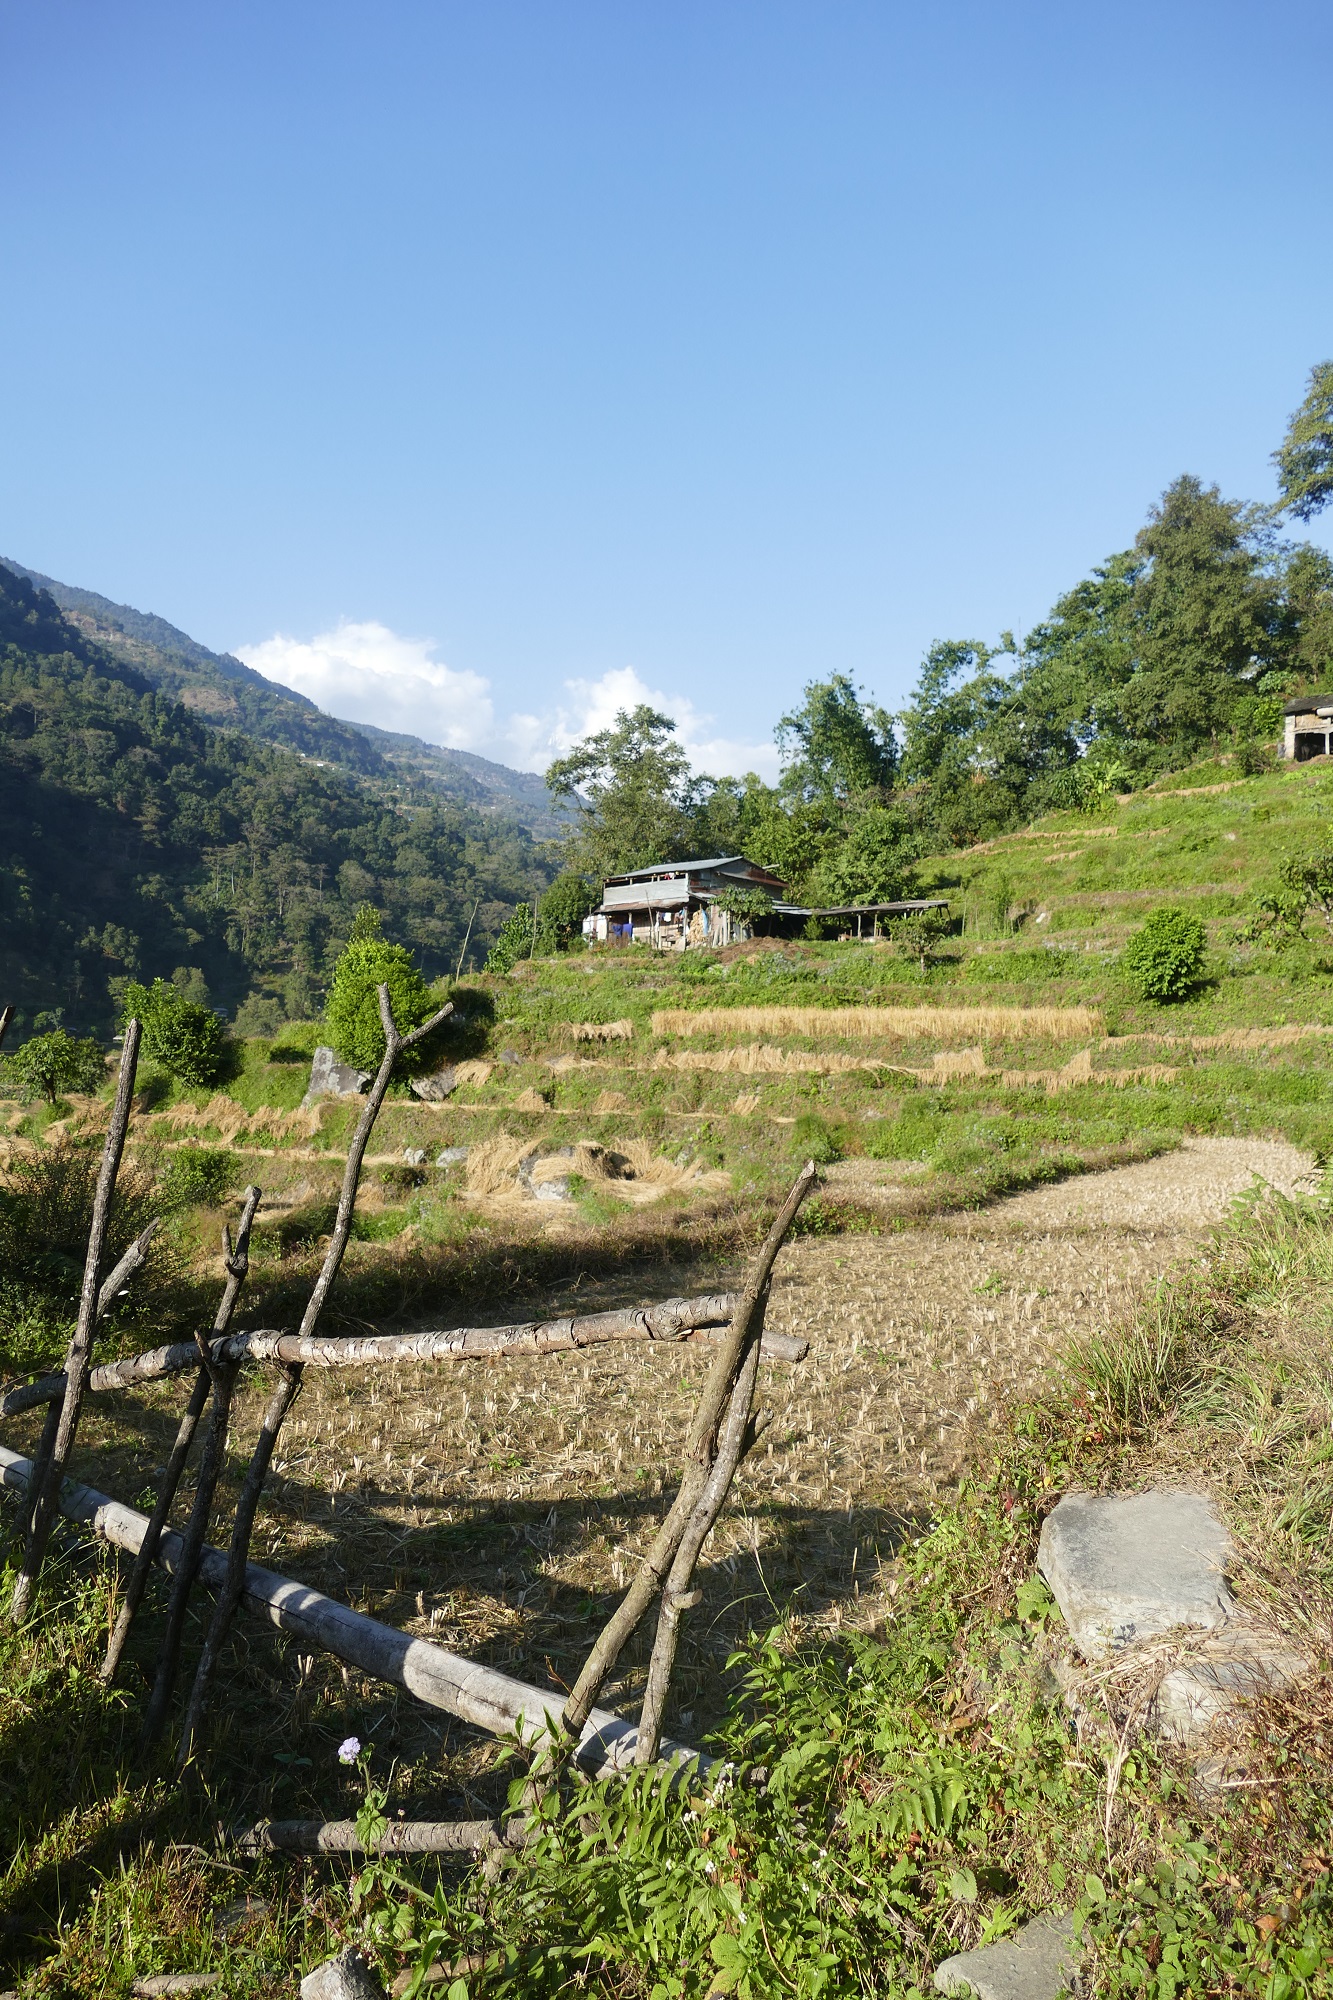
(47, 1064)
(186, 1038)
(1164, 961)
(352, 1015)
(523, 935)
(566, 903)
(46, 1208)
(197, 1176)
(815, 1140)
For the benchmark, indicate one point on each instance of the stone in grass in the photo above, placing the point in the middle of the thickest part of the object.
(434, 1089)
(1125, 1567)
(1036, 1963)
(451, 1156)
(414, 1156)
(346, 1977)
(331, 1078)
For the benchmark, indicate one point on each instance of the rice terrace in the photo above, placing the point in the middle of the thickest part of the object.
(666, 1332)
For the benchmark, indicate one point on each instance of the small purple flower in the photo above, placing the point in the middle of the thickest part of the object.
(349, 1749)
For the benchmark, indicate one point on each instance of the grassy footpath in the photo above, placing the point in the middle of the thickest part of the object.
(890, 1796)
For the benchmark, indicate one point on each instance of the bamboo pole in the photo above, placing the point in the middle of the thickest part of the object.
(492, 1701)
(675, 1320)
(46, 1493)
(237, 1263)
(715, 1396)
(408, 1836)
(290, 1385)
(6, 1016)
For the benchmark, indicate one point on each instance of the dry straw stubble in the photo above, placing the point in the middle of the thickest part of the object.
(1061, 1024)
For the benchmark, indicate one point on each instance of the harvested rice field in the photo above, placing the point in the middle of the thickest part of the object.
(500, 1509)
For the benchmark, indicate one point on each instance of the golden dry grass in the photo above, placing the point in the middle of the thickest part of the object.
(602, 1031)
(763, 1059)
(1061, 1024)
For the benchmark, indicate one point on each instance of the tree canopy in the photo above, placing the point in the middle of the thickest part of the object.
(1304, 459)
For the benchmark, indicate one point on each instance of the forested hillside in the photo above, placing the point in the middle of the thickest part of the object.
(221, 689)
(137, 840)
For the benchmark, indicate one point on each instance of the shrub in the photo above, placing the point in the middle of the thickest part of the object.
(47, 1064)
(186, 1038)
(564, 906)
(352, 1015)
(524, 935)
(197, 1176)
(1164, 961)
(814, 1140)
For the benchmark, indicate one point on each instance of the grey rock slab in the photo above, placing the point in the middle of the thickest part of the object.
(556, 1190)
(434, 1089)
(331, 1078)
(414, 1156)
(1228, 1668)
(1036, 1963)
(346, 1977)
(451, 1156)
(1128, 1567)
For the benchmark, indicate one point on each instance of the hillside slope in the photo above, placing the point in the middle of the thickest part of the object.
(222, 690)
(135, 839)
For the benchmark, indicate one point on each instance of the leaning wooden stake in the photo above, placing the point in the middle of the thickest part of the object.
(6, 1016)
(699, 1457)
(46, 1497)
(289, 1388)
(678, 1593)
(237, 1263)
(132, 1261)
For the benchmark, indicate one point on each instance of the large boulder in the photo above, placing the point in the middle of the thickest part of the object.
(346, 1977)
(331, 1078)
(434, 1089)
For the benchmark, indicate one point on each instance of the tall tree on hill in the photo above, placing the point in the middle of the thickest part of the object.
(631, 793)
(835, 744)
(1304, 459)
(1205, 618)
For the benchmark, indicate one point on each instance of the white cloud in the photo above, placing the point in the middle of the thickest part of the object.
(368, 673)
(594, 705)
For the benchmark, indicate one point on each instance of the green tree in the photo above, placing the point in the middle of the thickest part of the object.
(187, 1039)
(869, 859)
(1164, 960)
(352, 1012)
(1304, 459)
(836, 745)
(631, 794)
(566, 903)
(46, 1065)
(1206, 617)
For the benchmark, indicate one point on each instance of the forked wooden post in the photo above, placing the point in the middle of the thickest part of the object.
(733, 1354)
(46, 1483)
(289, 1388)
(237, 1264)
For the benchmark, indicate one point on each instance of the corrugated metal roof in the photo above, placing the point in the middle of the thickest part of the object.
(692, 868)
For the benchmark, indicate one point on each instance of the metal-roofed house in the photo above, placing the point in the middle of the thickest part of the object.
(674, 904)
(1308, 728)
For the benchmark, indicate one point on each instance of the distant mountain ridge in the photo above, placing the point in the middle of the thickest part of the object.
(223, 691)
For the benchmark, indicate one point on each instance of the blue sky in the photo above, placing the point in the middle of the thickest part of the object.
(480, 367)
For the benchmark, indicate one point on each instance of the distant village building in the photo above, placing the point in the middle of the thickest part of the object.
(675, 904)
(1308, 728)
